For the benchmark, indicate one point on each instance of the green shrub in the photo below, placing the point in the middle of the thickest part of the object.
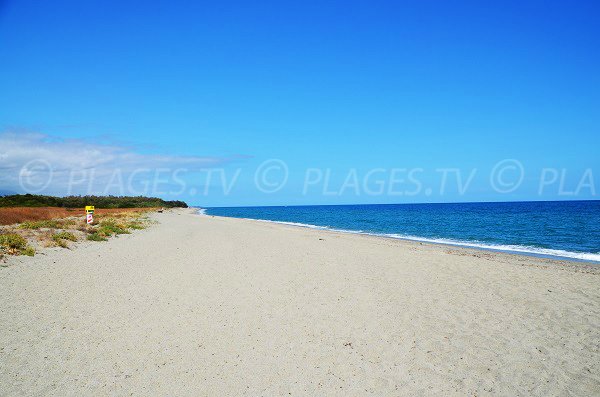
(61, 238)
(136, 225)
(34, 200)
(65, 236)
(50, 224)
(109, 227)
(15, 244)
(12, 241)
(96, 237)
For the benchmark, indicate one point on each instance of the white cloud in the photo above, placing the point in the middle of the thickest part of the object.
(28, 161)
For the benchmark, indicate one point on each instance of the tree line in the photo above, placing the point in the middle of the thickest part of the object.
(35, 200)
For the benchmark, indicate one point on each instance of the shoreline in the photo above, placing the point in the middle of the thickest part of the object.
(476, 252)
(223, 306)
(424, 240)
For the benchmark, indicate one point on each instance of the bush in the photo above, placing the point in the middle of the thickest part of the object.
(12, 241)
(29, 251)
(15, 244)
(110, 226)
(65, 236)
(136, 225)
(50, 224)
(35, 200)
(61, 238)
(96, 237)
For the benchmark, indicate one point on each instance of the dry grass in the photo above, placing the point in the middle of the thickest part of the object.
(63, 227)
(12, 215)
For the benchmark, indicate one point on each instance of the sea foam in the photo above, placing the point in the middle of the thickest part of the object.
(519, 249)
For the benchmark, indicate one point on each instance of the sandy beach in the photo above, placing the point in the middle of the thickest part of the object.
(198, 305)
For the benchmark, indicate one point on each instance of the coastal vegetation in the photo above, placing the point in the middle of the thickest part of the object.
(46, 223)
(53, 217)
(27, 237)
(35, 200)
(31, 222)
(14, 244)
(61, 238)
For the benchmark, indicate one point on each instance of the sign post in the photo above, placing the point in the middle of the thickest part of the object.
(89, 210)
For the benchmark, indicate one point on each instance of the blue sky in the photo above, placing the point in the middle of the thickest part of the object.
(334, 86)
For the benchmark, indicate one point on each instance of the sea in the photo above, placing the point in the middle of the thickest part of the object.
(554, 229)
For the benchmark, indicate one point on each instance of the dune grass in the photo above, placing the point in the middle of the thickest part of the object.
(61, 238)
(14, 239)
(46, 223)
(15, 244)
(96, 237)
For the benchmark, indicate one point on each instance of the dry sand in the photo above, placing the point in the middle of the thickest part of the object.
(215, 306)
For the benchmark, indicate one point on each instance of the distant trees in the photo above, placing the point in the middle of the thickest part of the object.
(34, 200)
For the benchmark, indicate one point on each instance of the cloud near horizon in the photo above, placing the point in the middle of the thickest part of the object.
(39, 163)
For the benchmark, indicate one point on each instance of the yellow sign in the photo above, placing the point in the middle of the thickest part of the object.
(89, 209)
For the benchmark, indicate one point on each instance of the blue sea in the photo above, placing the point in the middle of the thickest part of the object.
(559, 229)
